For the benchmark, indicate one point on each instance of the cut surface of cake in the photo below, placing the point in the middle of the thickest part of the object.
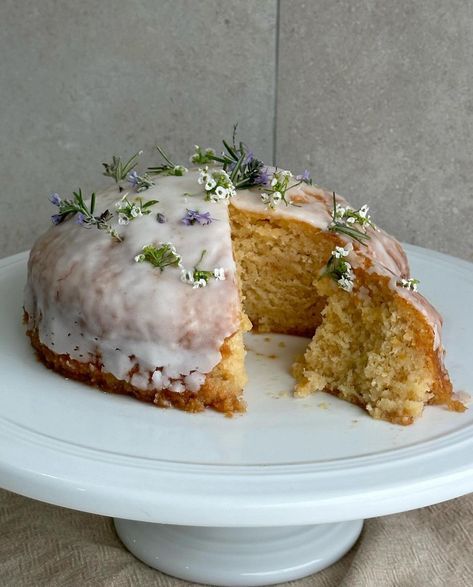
(147, 288)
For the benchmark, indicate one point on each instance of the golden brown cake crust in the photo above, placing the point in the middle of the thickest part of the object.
(218, 392)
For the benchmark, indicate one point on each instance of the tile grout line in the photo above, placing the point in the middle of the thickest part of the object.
(276, 82)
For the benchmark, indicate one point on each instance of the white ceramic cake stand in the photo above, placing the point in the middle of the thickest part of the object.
(272, 495)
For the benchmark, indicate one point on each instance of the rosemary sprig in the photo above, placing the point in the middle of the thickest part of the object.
(119, 170)
(164, 255)
(85, 214)
(168, 167)
(343, 220)
(238, 161)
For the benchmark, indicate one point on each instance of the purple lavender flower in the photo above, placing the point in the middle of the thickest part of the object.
(57, 218)
(133, 178)
(263, 177)
(249, 158)
(81, 219)
(194, 216)
(55, 199)
(304, 177)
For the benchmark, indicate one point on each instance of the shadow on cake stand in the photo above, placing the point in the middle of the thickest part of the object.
(270, 496)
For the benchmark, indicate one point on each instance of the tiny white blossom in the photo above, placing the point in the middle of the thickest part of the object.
(219, 273)
(345, 283)
(363, 211)
(274, 181)
(199, 283)
(123, 220)
(211, 183)
(187, 276)
(410, 284)
(221, 192)
(340, 252)
(139, 258)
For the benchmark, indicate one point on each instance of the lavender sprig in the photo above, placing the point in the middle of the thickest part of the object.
(165, 255)
(118, 170)
(195, 217)
(85, 214)
(168, 167)
(343, 220)
(140, 182)
(305, 177)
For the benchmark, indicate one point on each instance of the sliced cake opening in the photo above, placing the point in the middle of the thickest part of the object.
(369, 347)
(278, 262)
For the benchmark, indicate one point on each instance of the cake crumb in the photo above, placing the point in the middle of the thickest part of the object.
(282, 344)
(462, 396)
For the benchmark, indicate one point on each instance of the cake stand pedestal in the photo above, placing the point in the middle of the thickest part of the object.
(269, 496)
(238, 556)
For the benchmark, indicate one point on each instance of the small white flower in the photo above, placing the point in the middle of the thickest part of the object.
(363, 211)
(277, 197)
(139, 258)
(210, 184)
(340, 252)
(274, 181)
(219, 273)
(345, 283)
(199, 283)
(203, 175)
(123, 220)
(187, 276)
(410, 284)
(221, 192)
(135, 211)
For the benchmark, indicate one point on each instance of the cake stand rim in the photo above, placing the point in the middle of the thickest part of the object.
(265, 496)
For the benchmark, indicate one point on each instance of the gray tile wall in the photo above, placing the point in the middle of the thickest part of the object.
(81, 80)
(374, 97)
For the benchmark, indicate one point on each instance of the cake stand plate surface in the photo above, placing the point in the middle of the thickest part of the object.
(268, 496)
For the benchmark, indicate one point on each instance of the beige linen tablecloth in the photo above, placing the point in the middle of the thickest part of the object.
(44, 545)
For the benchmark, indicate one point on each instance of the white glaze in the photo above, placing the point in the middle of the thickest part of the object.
(88, 296)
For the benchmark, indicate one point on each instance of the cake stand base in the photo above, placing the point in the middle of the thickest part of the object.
(238, 556)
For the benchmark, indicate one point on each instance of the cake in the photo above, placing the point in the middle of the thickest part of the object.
(147, 289)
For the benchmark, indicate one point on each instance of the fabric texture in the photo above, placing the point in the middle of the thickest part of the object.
(45, 545)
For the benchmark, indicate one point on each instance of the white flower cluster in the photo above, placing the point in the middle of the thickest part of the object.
(347, 280)
(217, 184)
(198, 278)
(340, 270)
(410, 284)
(127, 211)
(351, 216)
(340, 252)
(278, 187)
